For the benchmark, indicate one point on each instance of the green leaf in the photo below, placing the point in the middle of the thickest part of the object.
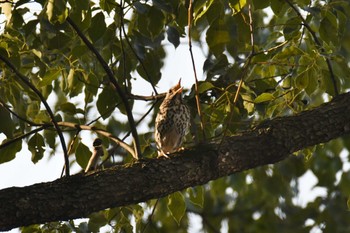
(204, 86)
(264, 97)
(258, 4)
(56, 11)
(138, 212)
(107, 5)
(329, 28)
(173, 36)
(36, 146)
(97, 220)
(106, 102)
(200, 8)
(50, 138)
(197, 195)
(97, 27)
(8, 153)
(217, 37)
(312, 81)
(277, 6)
(177, 206)
(7, 126)
(68, 108)
(50, 76)
(237, 5)
(302, 80)
(75, 84)
(82, 154)
(33, 109)
(292, 28)
(156, 23)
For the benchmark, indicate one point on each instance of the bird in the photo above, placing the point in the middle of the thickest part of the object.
(172, 122)
(97, 152)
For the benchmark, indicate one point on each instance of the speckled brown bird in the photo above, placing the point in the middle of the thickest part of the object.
(172, 121)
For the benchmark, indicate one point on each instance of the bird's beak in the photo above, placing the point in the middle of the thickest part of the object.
(178, 87)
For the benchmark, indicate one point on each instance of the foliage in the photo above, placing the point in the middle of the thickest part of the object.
(277, 57)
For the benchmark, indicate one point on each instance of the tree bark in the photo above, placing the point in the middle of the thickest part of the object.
(79, 195)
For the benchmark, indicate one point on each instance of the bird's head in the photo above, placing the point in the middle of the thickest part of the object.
(174, 93)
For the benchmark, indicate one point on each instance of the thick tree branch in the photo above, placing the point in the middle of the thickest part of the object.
(79, 195)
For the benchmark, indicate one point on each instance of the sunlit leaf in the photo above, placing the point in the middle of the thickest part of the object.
(200, 8)
(237, 5)
(50, 76)
(177, 206)
(56, 11)
(204, 86)
(264, 97)
(197, 196)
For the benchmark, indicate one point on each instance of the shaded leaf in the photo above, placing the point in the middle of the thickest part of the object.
(97, 27)
(82, 154)
(173, 36)
(68, 108)
(106, 102)
(7, 126)
(9, 152)
(36, 146)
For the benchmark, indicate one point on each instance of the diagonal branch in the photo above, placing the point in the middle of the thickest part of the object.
(27, 82)
(79, 195)
(114, 82)
(101, 132)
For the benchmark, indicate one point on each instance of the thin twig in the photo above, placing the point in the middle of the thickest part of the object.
(101, 132)
(190, 18)
(137, 123)
(31, 123)
(70, 148)
(250, 55)
(20, 137)
(150, 217)
(115, 84)
(147, 98)
(319, 44)
(26, 81)
(122, 46)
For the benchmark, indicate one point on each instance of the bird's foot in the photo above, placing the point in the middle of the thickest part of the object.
(162, 154)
